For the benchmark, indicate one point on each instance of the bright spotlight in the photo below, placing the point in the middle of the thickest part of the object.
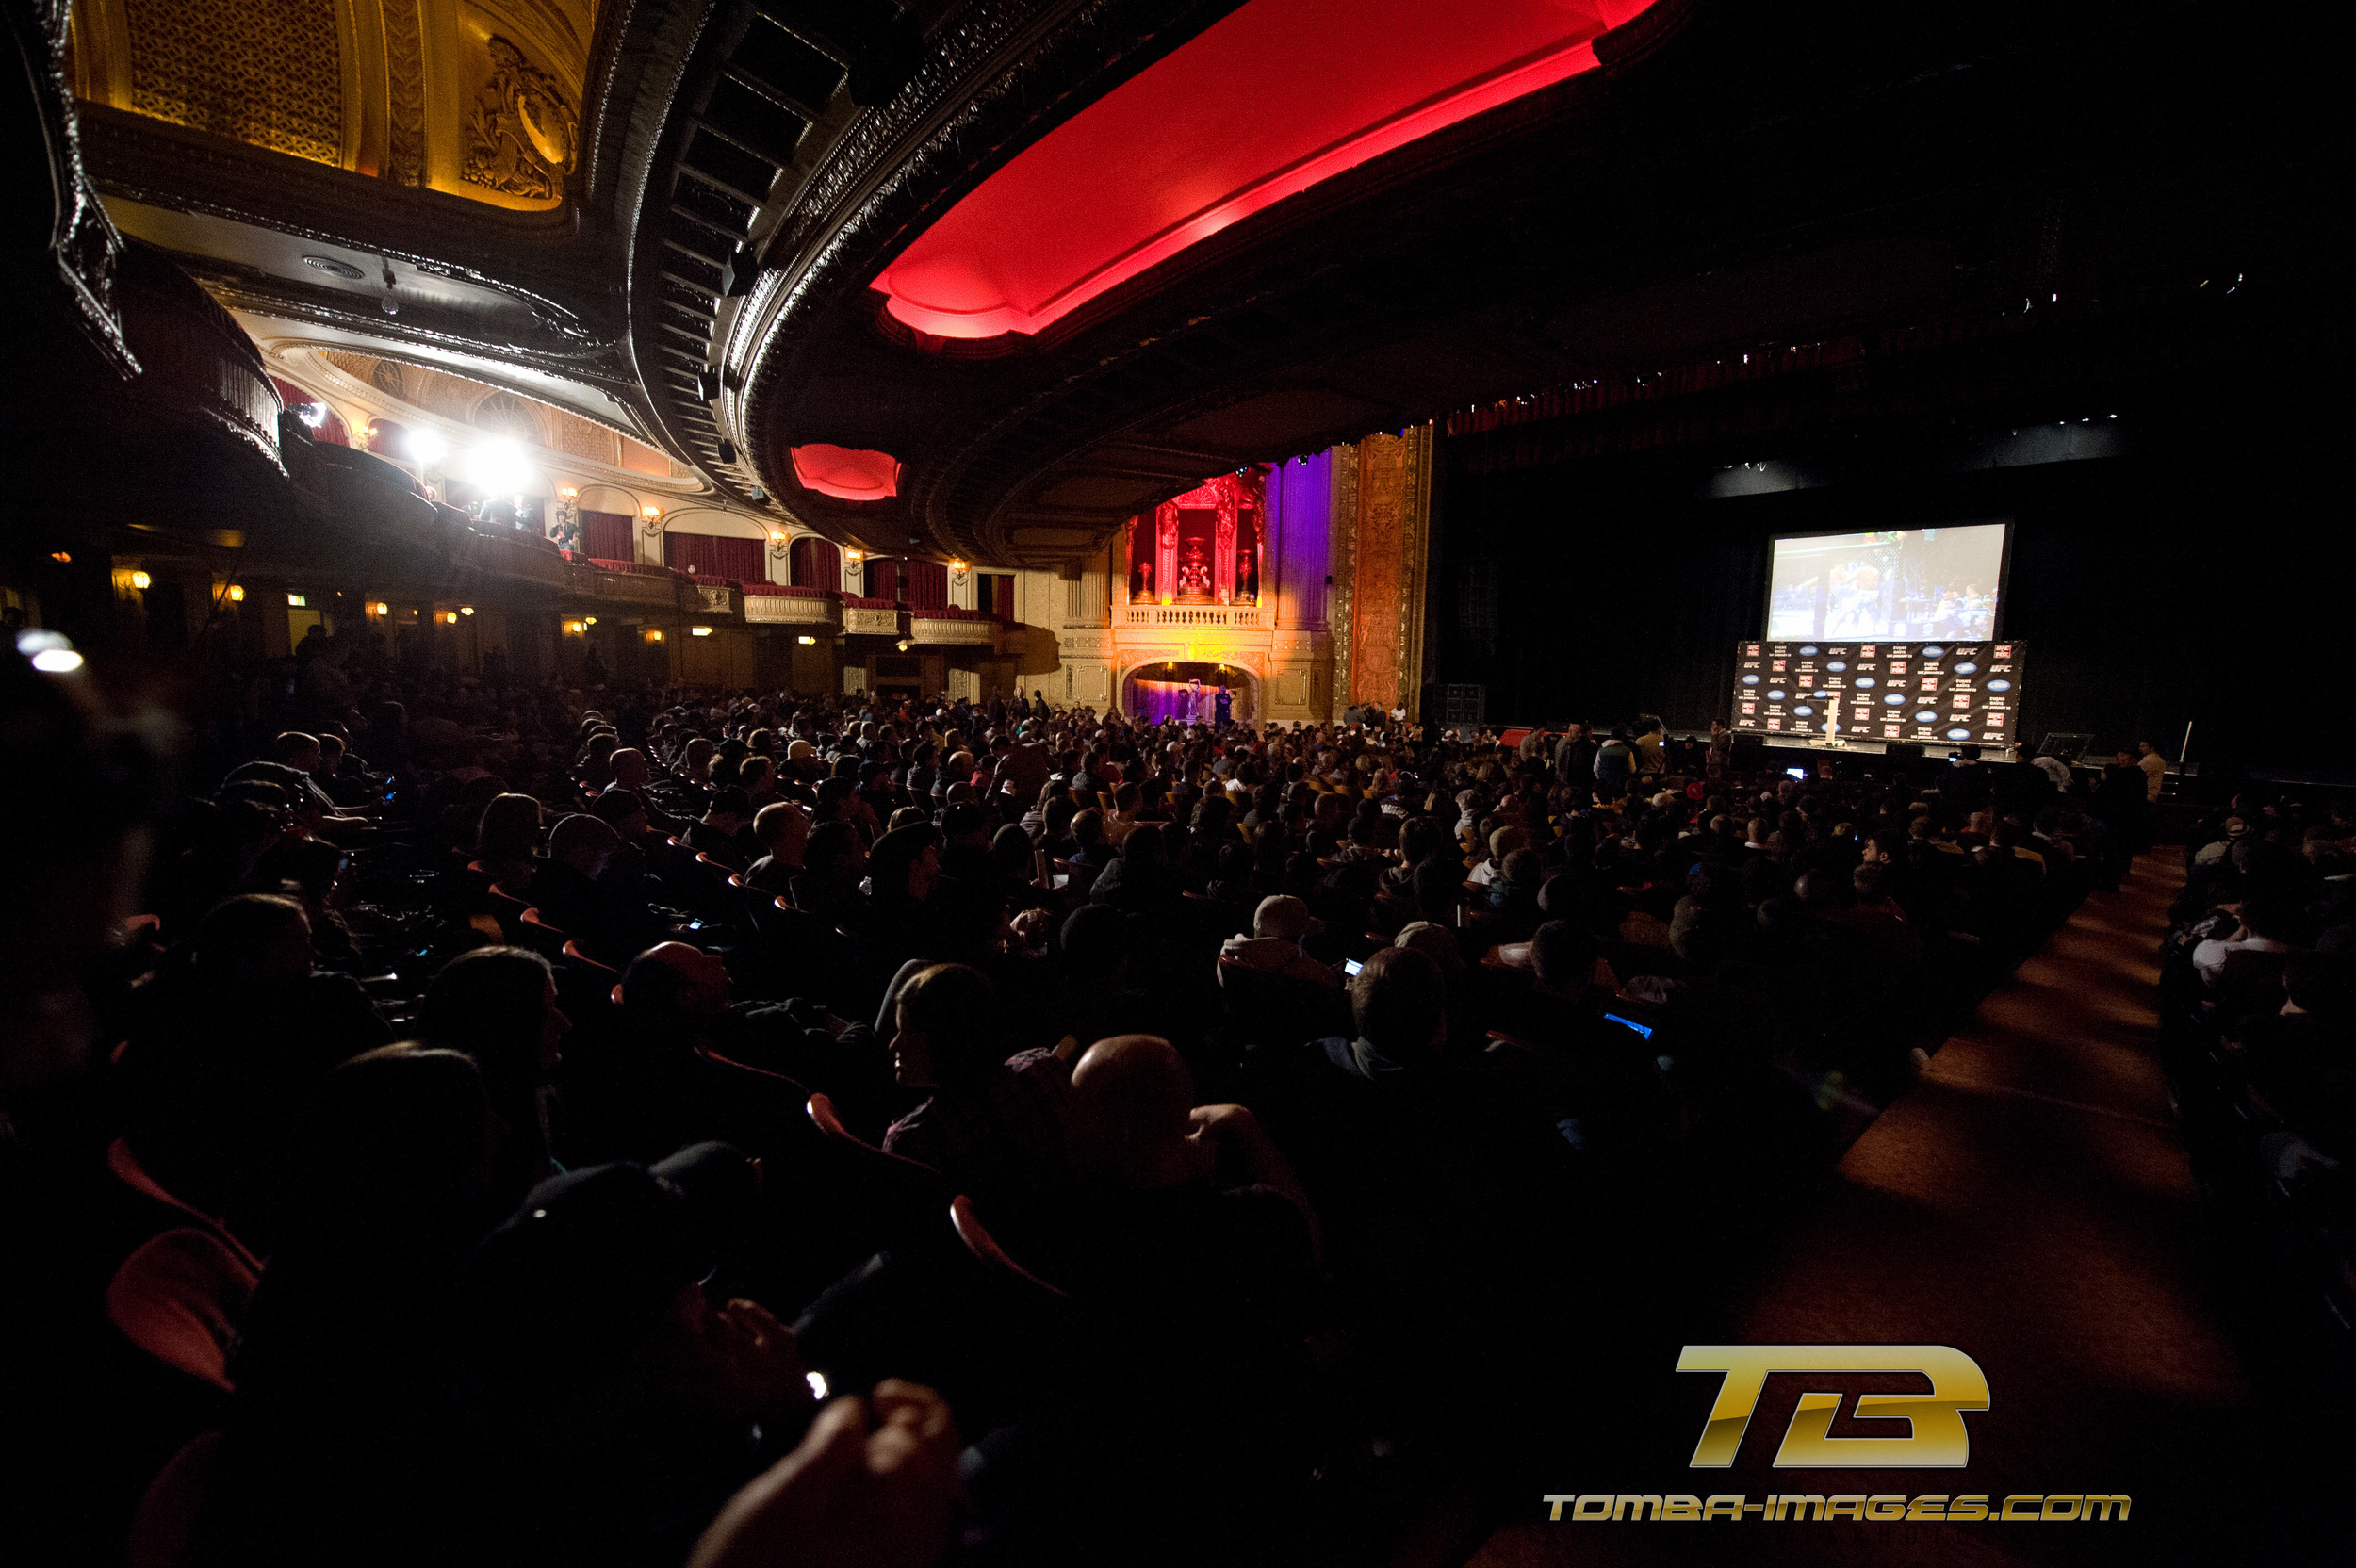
(57, 661)
(427, 447)
(499, 466)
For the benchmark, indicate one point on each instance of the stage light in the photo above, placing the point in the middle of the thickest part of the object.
(57, 661)
(424, 446)
(140, 579)
(237, 592)
(499, 465)
(806, 641)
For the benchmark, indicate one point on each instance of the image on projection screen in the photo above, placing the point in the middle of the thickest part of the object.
(1900, 584)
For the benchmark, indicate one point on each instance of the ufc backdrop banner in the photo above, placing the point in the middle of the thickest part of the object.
(1934, 694)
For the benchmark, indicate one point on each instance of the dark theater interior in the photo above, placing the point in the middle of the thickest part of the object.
(1180, 783)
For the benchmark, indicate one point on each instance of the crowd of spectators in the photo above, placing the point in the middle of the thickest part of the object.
(525, 1129)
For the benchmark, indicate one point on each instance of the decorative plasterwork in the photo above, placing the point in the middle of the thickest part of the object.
(475, 98)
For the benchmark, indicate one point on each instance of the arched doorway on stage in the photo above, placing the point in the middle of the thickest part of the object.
(1166, 689)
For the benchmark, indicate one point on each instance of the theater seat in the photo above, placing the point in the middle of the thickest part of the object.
(978, 1241)
(573, 951)
(127, 1170)
(180, 1298)
(166, 1521)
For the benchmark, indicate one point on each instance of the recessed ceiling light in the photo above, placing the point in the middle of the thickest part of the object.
(334, 267)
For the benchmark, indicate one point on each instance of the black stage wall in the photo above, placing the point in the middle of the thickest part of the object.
(2201, 574)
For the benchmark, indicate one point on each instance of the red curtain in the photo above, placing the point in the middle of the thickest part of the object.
(606, 535)
(709, 555)
(816, 563)
(883, 579)
(927, 585)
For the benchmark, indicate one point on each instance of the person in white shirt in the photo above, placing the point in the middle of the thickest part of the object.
(2154, 768)
(2264, 918)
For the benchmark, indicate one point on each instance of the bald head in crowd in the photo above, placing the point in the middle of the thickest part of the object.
(1132, 1101)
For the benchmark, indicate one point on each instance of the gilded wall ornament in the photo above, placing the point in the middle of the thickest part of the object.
(522, 137)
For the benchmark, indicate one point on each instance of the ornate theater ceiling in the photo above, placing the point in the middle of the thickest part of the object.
(478, 98)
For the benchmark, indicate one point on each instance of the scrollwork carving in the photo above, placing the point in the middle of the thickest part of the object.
(522, 137)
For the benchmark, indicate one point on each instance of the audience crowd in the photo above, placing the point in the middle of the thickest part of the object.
(634, 1127)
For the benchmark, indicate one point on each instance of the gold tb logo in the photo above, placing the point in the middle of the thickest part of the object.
(1938, 1440)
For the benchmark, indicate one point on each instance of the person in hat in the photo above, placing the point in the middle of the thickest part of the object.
(607, 1398)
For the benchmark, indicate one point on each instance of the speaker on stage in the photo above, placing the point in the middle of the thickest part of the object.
(1902, 752)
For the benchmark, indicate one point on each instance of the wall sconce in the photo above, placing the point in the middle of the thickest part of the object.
(237, 592)
(652, 512)
(654, 634)
(904, 645)
(450, 616)
(62, 557)
(700, 631)
(567, 491)
(574, 628)
(380, 608)
(854, 556)
(591, 621)
(465, 609)
(806, 641)
(140, 581)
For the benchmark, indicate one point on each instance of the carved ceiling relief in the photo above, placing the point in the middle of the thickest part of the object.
(523, 134)
(474, 98)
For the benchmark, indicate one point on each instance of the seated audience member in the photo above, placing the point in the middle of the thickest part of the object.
(506, 839)
(573, 892)
(834, 861)
(1138, 880)
(333, 1439)
(1277, 927)
(608, 1401)
(226, 1047)
(1092, 849)
(783, 829)
(992, 1123)
(719, 832)
(1186, 1216)
(498, 1005)
(632, 771)
(2265, 924)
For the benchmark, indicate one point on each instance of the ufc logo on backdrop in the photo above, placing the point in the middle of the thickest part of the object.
(1936, 1439)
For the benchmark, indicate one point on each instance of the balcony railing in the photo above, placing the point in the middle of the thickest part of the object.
(771, 604)
(1191, 614)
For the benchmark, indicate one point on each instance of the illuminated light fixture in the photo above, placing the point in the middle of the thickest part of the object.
(312, 414)
(567, 491)
(957, 565)
(380, 608)
(296, 601)
(854, 556)
(57, 661)
(777, 538)
(1196, 143)
(806, 641)
(574, 628)
(237, 592)
(465, 609)
(651, 512)
(62, 557)
(654, 634)
(592, 620)
(140, 581)
(700, 631)
(450, 616)
(847, 473)
(424, 446)
(904, 645)
(499, 465)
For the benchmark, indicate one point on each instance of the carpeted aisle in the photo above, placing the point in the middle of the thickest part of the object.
(2029, 1202)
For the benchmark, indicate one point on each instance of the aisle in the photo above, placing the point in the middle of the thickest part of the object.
(2029, 1202)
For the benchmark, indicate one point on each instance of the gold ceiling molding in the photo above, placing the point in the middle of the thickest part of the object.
(476, 98)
